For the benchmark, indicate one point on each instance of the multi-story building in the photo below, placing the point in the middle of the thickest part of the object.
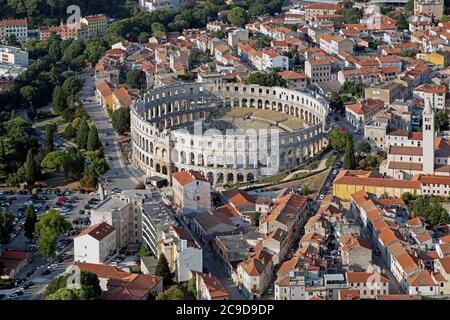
(336, 44)
(432, 8)
(386, 92)
(255, 273)
(359, 114)
(318, 70)
(13, 55)
(370, 285)
(95, 243)
(123, 211)
(183, 254)
(191, 191)
(237, 35)
(96, 25)
(156, 219)
(152, 5)
(210, 288)
(319, 9)
(432, 92)
(14, 27)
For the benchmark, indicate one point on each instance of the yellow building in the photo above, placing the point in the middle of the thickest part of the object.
(105, 94)
(439, 59)
(348, 182)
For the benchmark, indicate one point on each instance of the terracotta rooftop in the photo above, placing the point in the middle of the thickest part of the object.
(97, 231)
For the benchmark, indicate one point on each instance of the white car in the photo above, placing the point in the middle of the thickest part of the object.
(321, 197)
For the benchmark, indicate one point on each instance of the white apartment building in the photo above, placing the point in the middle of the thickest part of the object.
(152, 5)
(272, 59)
(14, 27)
(434, 93)
(370, 285)
(335, 44)
(95, 244)
(12, 55)
(191, 191)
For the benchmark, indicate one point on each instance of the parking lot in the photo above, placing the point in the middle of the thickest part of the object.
(74, 206)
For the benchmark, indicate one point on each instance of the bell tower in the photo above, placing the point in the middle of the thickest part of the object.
(428, 138)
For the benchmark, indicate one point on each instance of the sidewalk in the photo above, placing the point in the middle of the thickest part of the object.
(320, 167)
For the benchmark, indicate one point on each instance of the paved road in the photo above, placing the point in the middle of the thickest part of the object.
(121, 174)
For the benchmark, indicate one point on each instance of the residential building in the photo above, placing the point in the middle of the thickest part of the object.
(319, 9)
(336, 44)
(255, 273)
(152, 5)
(117, 284)
(235, 36)
(95, 243)
(369, 284)
(104, 94)
(359, 114)
(431, 8)
(183, 254)
(13, 56)
(386, 92)
(318, 70)
(121, 98)
(210, 288)
(96, 25)
(191, 191)
(123, 211)
(434, 93)
(13, 261)
(356, 252)
(423, 284)
(294, 79)
(14, 27)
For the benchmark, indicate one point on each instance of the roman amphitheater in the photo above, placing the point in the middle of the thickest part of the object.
(230, 132)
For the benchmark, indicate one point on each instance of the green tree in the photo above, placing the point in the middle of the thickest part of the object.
(58, 100)
(91, 280)
(158, 29)
(402, 22)
(121, 120)
(441, 120)
(73, 164)
(339, 139)
(30, 221)
(71, 86)
(143, 252)
(237, 16)
(192, 286)
(48, 229)
(29, 94)
(136, 79)
(53, 160)
(48, 142)
(30, 168)
(93, 141)
(430, 208)
(82, 135)
(266, 79)
(6, 226)
(409, 6)
(363, 147)
(173, 293)
(163, 270)
(349, 157)
(255, 219)
(97, 167)
(69, 132)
